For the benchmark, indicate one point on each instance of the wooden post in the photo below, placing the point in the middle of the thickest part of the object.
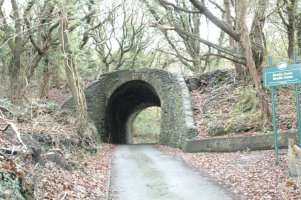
(291, 158)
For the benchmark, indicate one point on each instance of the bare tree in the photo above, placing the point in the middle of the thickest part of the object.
(190, 30)
(132, 40)
(288, 14)
(250, 55)
(72, 75)
(120, 36)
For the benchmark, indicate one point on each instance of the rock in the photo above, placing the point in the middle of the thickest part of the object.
(193, 83)
(58, 159)
(239, 128)
(217, 130)
(12, 150)
(34, 153)
(27, 188)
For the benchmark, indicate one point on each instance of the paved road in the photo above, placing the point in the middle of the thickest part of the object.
(141, 172)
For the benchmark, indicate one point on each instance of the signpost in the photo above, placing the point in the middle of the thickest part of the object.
(282, 74)
(279, 75)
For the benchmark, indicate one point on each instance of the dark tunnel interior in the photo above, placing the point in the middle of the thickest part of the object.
(129, 98)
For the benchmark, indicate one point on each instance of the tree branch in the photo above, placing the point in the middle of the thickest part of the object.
(281, 15)
(239, 61)
(219, 23)
(166, 3)
(210, 44)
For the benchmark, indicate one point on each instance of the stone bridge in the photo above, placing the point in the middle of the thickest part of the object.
(116, 98)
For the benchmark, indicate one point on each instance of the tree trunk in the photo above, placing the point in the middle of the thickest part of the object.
(228, 20)
(289, 18)
(46, 80)
(197, 64)
(257, 36)
(239, 69)
(299, 35)
(72, 77)
(291, 9)
(291, 41)
(105, 69)
(17, 74)
(18, 81)
(56, 78)
(246, 44)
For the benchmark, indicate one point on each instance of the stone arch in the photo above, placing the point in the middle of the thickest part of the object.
(117, 97)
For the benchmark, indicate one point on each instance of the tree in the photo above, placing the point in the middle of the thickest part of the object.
(120, 36)
(253, 60)
(288, 14)
(253, 47)
(186, 44)
(32, 36)
(16, 40)
(246, 43)
(72, 75)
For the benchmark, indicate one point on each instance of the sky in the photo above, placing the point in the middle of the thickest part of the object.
(211, 32)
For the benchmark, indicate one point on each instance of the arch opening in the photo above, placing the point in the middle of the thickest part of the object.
(146, 126)
(123, 106)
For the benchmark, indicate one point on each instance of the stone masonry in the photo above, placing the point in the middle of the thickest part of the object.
(117, 97)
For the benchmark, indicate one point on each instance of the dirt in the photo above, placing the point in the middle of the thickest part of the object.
(44, 158)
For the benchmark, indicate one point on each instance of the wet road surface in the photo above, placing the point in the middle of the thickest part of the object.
(141, 172)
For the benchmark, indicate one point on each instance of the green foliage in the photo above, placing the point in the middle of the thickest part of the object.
(10, 186)
(146, 127)
(45, 104)
(247, 100)
(87, 61)
(5, 102)
(234, 122)
(52, 106)
(243, 117)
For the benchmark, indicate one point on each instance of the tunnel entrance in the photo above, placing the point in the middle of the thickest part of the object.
(146, 126)
(116, 98)
(123, 106)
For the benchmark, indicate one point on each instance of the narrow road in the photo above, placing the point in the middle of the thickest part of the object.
(141, 172)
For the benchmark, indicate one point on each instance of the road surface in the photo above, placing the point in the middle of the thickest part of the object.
(141, 172)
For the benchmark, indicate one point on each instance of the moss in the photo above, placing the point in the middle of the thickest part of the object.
(243, 117)
(233, 122)
(10, 187)
(247, 100)
(217, 130)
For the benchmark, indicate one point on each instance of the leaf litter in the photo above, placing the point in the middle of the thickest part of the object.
(55, 165)
(252, 175)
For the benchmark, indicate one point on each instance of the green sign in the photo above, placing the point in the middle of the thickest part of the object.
(282, 74)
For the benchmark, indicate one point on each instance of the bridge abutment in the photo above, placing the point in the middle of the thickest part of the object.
(115, 99)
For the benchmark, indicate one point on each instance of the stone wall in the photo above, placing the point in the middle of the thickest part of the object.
(115, 99)
(233, 144)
